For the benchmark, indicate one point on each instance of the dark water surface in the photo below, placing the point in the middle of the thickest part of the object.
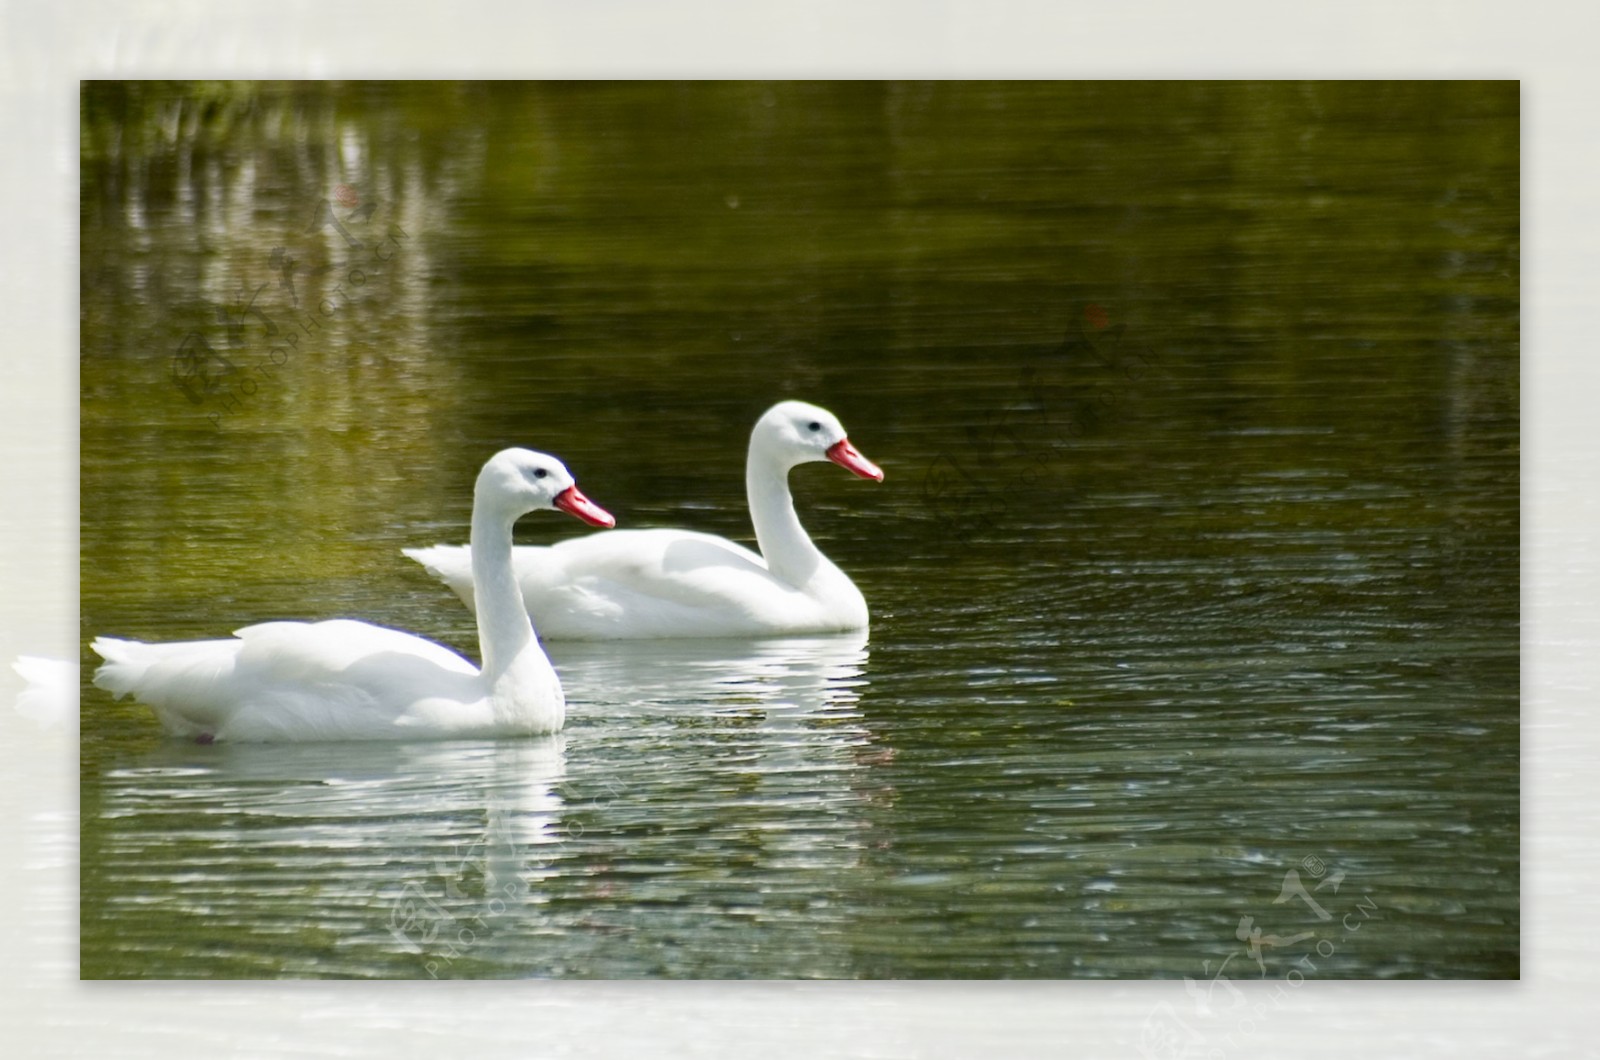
(1194, 576)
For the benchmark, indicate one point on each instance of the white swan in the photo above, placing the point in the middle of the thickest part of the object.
(678, 583)
(347, 680)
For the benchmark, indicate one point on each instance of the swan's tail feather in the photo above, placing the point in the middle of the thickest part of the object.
(181, 681)
(125, 663)
(451, 564)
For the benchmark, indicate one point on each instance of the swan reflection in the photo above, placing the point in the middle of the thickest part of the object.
(420, 851)
(796, 675)
(723, 782)
(747, 800)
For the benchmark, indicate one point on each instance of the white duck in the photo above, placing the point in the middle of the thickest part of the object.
(679, 583)
(348, 680)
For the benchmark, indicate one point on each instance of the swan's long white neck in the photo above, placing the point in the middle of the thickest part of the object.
(784, 543)
(504, 632)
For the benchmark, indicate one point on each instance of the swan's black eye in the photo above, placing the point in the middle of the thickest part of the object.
(814, 426)
(540, 472)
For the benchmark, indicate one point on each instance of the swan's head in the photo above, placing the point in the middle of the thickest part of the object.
(801, 432)
(519, 481)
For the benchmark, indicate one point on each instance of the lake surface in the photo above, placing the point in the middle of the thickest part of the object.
(1194, 576)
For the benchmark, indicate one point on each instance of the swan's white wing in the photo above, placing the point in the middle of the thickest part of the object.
(328, 648)
(653, 583)
(616, 547)
(676, 565)
(290, 680)
(650, 580)
(451, 564)
(642, 583)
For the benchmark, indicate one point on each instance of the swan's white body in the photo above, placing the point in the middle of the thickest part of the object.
(661, 583)
(678, 583)
(348, 680)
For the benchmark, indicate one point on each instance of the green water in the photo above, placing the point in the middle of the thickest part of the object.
(1196, 561)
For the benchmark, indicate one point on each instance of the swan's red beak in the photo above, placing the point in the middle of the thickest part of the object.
(846, 455)
(572, 502)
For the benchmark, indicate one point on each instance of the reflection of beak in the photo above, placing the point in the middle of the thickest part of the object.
(845, 455)
(572, 502)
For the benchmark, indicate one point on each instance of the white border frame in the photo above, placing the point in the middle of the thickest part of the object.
(1549, 46)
